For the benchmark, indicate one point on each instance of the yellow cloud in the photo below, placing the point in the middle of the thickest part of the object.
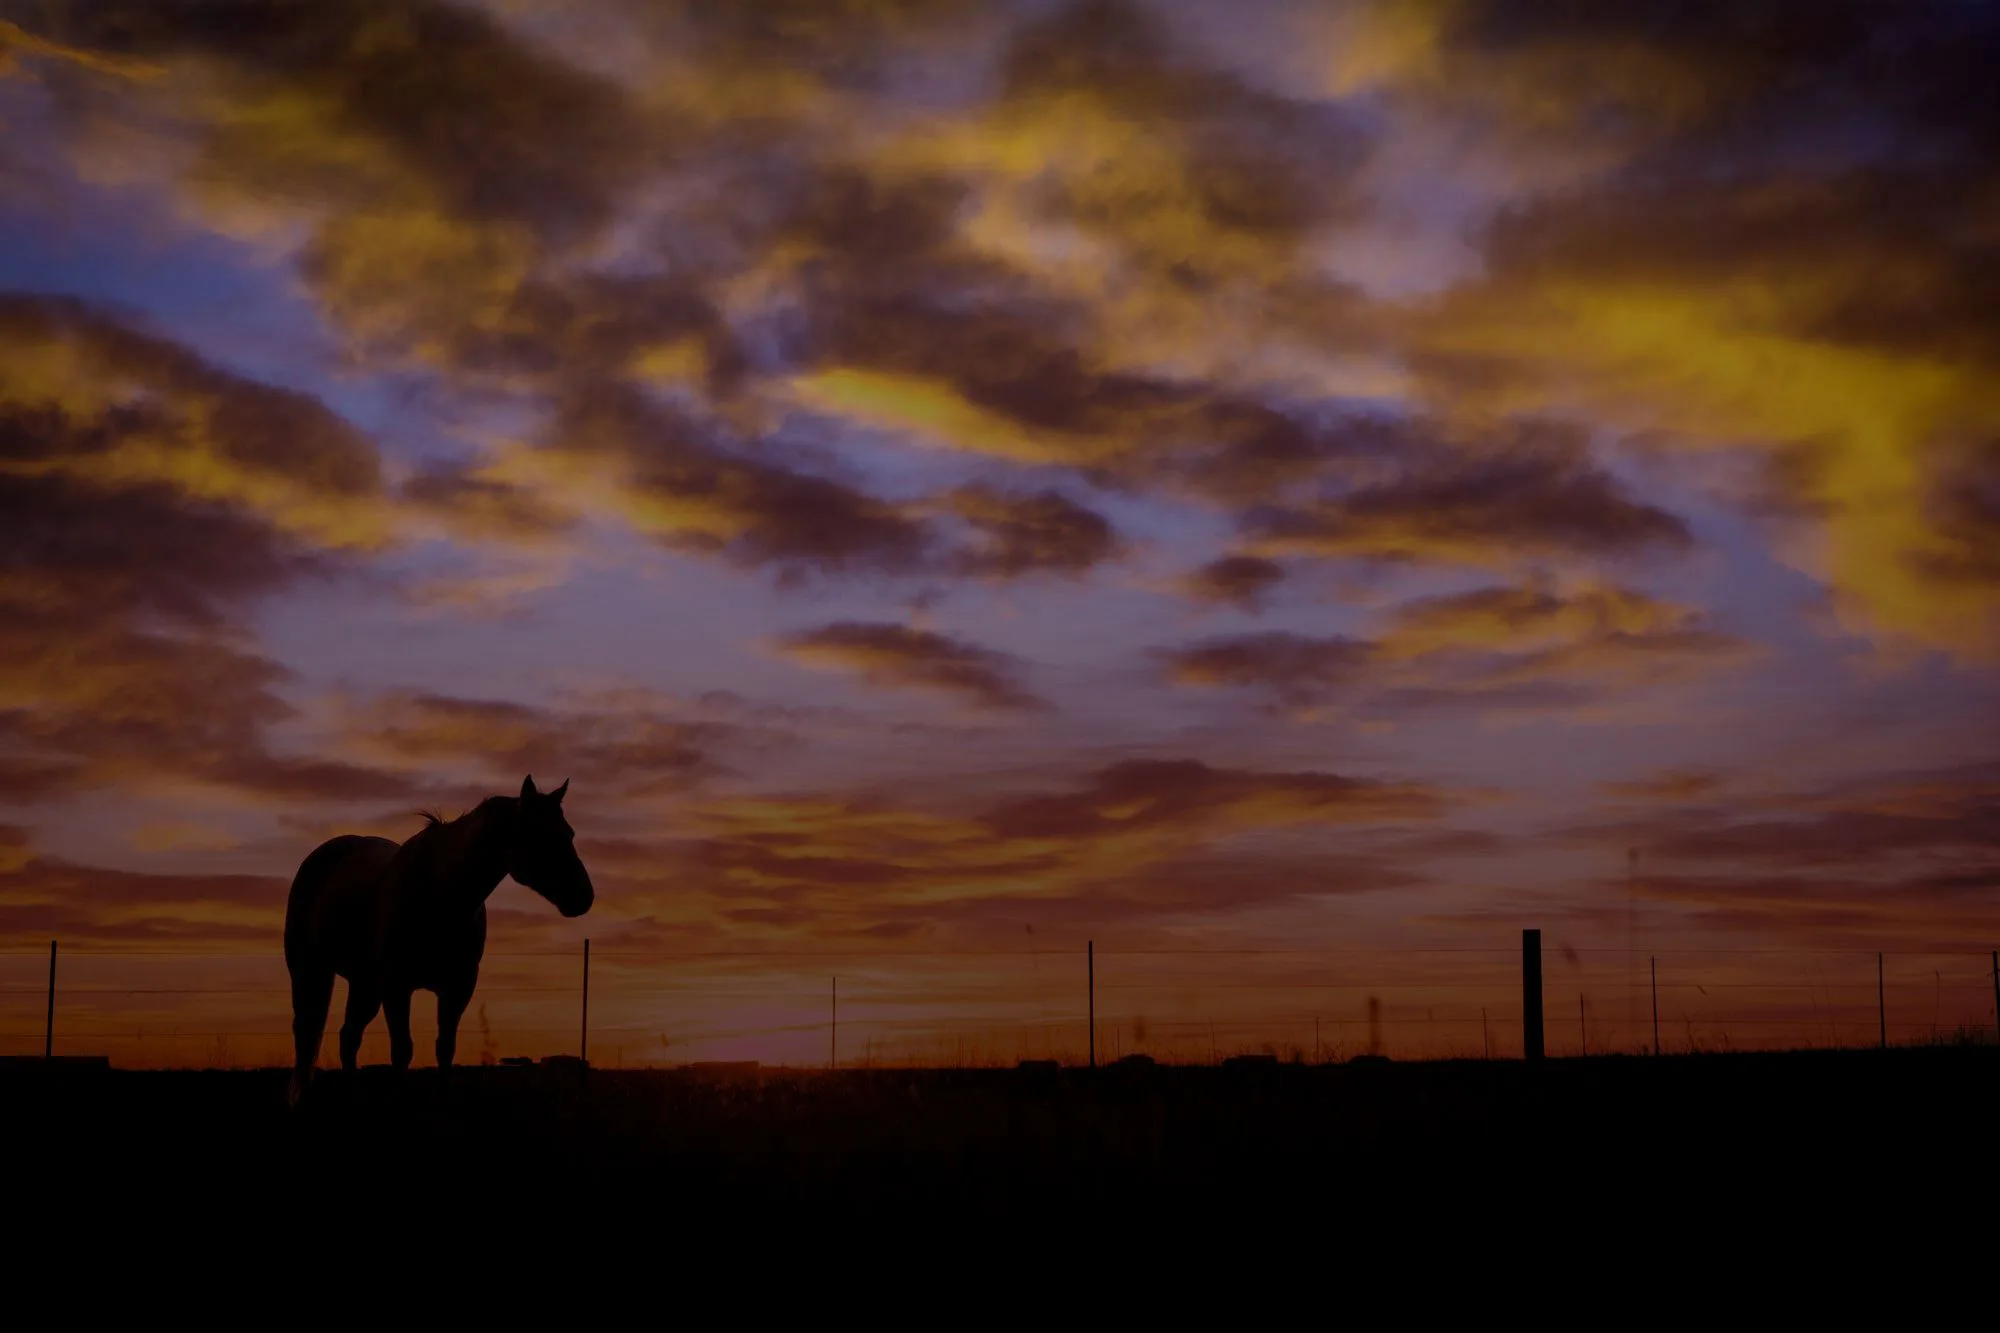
(1717, 364)
(931, 410)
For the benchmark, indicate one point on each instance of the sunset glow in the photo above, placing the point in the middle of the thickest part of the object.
(1293, 493)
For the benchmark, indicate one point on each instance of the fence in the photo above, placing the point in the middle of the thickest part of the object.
(165, 1009)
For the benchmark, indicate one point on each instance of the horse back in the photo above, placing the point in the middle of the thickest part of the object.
(329, 910)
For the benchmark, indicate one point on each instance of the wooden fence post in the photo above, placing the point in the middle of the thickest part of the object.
(1531, 995)
(583, 1036)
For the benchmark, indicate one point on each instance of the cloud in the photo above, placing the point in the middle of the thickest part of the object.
(1296, 668)
(686, 484)
(626, 752)
(1191, 797)
(896, 656)
(1532, 493)
(84, 905)
(1900, 855)
(16, 848)
(1668, 784)
(1182, 166)
(1239, 580)
(148, 498)
(1025, 534)
(1593, 635)
(1093, 850)
(1813, 301)
(484, 506)
(84, 396)
(1491, 648)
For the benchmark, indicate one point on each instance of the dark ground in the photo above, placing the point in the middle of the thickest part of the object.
(1713, 1154)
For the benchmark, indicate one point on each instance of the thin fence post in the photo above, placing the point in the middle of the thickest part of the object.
(1881, 1003)
(1656, 1005)
(49, 1028)
(1090, 982)
(1485, 1033)
(583, 1038)
(1996, 997)
(1582, 1027)
(1531, 995)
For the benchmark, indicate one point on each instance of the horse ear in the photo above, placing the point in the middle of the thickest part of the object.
(528, 787)
(557, 794)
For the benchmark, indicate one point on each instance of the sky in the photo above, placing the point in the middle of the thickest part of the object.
(1291, 493)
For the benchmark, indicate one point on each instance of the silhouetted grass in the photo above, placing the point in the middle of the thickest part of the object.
(1454, 1149)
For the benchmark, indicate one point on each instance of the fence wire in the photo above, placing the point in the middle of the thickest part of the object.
(996, 1007)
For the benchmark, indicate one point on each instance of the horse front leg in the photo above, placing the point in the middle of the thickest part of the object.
(396, 1010)
(452, 1001)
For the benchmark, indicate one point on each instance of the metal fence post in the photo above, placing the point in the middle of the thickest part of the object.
(1656, 1005)
(1881, 1003)
(1090, 981)
(49, 1028)
(1531, 995)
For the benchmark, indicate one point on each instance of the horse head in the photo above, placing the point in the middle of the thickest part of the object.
(544, 851)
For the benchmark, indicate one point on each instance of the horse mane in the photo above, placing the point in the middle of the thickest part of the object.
(432, 819)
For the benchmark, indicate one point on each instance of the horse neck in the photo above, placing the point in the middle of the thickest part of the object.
(474, 854)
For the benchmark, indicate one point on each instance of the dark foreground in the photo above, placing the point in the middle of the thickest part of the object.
(1444, 1158)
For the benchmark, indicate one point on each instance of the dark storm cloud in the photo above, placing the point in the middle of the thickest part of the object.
(896, 655)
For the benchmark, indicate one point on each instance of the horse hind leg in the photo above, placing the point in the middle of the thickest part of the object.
(312, 994)
(396, 1010)
(362, 1004)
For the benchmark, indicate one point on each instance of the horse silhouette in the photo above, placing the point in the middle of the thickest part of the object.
(394, 918)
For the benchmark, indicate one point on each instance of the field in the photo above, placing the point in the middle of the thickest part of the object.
(1448, 1153)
